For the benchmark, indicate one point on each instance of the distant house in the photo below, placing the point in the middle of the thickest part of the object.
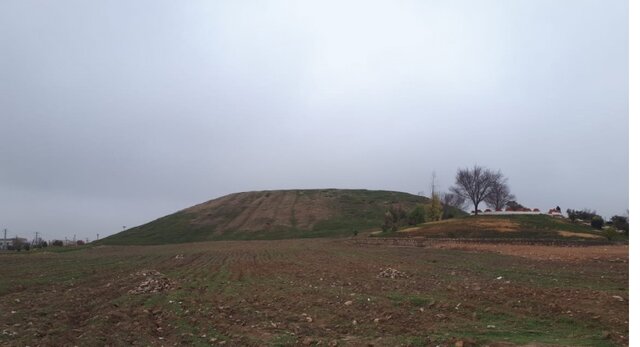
(555, 212)
(7, 243)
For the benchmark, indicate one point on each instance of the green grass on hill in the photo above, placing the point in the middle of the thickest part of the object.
(505, 226)
(343, 213)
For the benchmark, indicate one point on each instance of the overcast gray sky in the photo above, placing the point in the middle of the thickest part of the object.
(114, 113)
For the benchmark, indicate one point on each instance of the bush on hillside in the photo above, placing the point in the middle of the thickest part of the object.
(620, 223)
(585, 215)
(394, 218)
(514, 206)
(417, 215)
(610, 233)
(597, 222)
(434, 209)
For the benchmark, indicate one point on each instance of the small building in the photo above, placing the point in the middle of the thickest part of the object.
(8, 243)
(555, 212)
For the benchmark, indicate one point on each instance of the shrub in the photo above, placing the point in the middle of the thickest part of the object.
(394, 218)
(609, 233)
(417, 215)
(597, 222)
(434, 209)
(57, 243)
(585, 214)
(620, 223)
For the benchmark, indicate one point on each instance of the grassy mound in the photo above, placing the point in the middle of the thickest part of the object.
(503, 226)
(277, 214)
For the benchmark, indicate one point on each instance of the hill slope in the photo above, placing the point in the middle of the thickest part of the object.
(274, 214)
(506, 226)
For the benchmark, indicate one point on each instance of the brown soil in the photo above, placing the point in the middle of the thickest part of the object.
(479, 223)
(585, 235)
(618, 253)
(503, 225)
(316, 292)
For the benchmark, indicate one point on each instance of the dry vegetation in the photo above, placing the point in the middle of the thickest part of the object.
(514, 226)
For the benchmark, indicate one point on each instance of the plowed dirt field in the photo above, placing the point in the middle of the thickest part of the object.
(315, 292)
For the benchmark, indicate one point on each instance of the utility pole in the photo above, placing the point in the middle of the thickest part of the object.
(35, 242)
(4, 243)
(433, 184)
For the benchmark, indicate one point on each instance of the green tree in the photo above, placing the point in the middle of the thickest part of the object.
(417, 215)
(597, 222)
(572, 214)
(610, 234)
(434, 208)
(620, 222)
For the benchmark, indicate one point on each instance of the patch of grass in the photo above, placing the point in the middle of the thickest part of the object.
(492, 327)
(420, 301)
(413, 341)
(66, 249)
(283, 340)
(489, 266)
(500, 227)
(412, 299)
(161, 231)
(544, 222)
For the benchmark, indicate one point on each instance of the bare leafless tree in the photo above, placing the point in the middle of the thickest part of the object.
(452, 200)
(499, 194)
(475, 184)
(449, 202)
